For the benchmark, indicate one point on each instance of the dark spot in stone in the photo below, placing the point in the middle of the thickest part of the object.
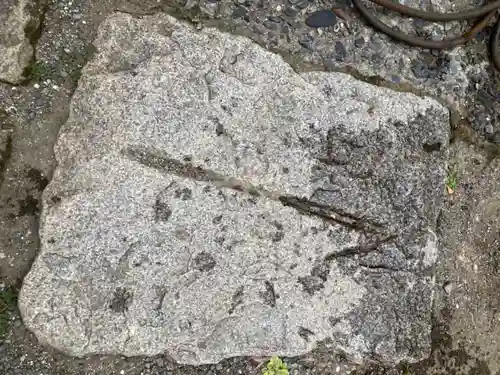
(236, 300)
(220, 240)
(217, 219)
(28, 206)
(286, 170)
(278, 236)
(55, 199)
(293, 266)
(305, 333)
(201, 345)
(239, 12)
(328, 91)
(252, 201)
(37, 177)
(311, 284)
(253, 191)
(184, 194)
(431, 147)
(162, 210)
(321, 18)
(314, 230)
(207, 188)
(219, 129)
(340, 51)
(187, 158)
(359, 42)
(395, 79)
(121, 300)
(277, 225)
(321, 270)
(51, 241)
(204, 262)
(269, 296)
(333, 321)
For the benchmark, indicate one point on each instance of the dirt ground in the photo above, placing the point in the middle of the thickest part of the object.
(467, 310)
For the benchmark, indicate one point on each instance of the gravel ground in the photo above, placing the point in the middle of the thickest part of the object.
(31, 114)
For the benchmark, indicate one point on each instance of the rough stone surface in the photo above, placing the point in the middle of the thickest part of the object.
(17, 17)
(211, 202)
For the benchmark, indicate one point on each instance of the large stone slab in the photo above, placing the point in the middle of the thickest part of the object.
(19, 20)
(212, 202)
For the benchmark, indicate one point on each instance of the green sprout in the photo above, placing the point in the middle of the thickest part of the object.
(276, 367)
(451, 181)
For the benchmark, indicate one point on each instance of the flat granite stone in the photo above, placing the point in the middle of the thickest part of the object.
(211, 202)
(19, 19)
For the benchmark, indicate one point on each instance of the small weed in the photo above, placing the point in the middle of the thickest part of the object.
(8, 301)
(451, 181)
(276, 367)
(405, 369)
(38, 71)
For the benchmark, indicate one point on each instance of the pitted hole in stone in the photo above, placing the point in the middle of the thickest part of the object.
(122, 299)
(431, 147)
(204, 262)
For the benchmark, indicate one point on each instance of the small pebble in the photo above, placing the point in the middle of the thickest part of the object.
(77, 16)
(291, 11)
(36, 86)
(321, 18)
(496, 137)
(301, 4)
(340, 51)
(488, 129)
(360, 42)
(239, 12)
(307, 42)
(271, 25)
(448, 287)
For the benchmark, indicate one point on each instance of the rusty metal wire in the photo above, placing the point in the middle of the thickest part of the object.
(489, 11)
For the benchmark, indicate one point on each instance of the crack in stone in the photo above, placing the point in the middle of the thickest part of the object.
(319, 273)
(331, 215)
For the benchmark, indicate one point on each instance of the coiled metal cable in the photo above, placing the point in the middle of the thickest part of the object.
(489, 11)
